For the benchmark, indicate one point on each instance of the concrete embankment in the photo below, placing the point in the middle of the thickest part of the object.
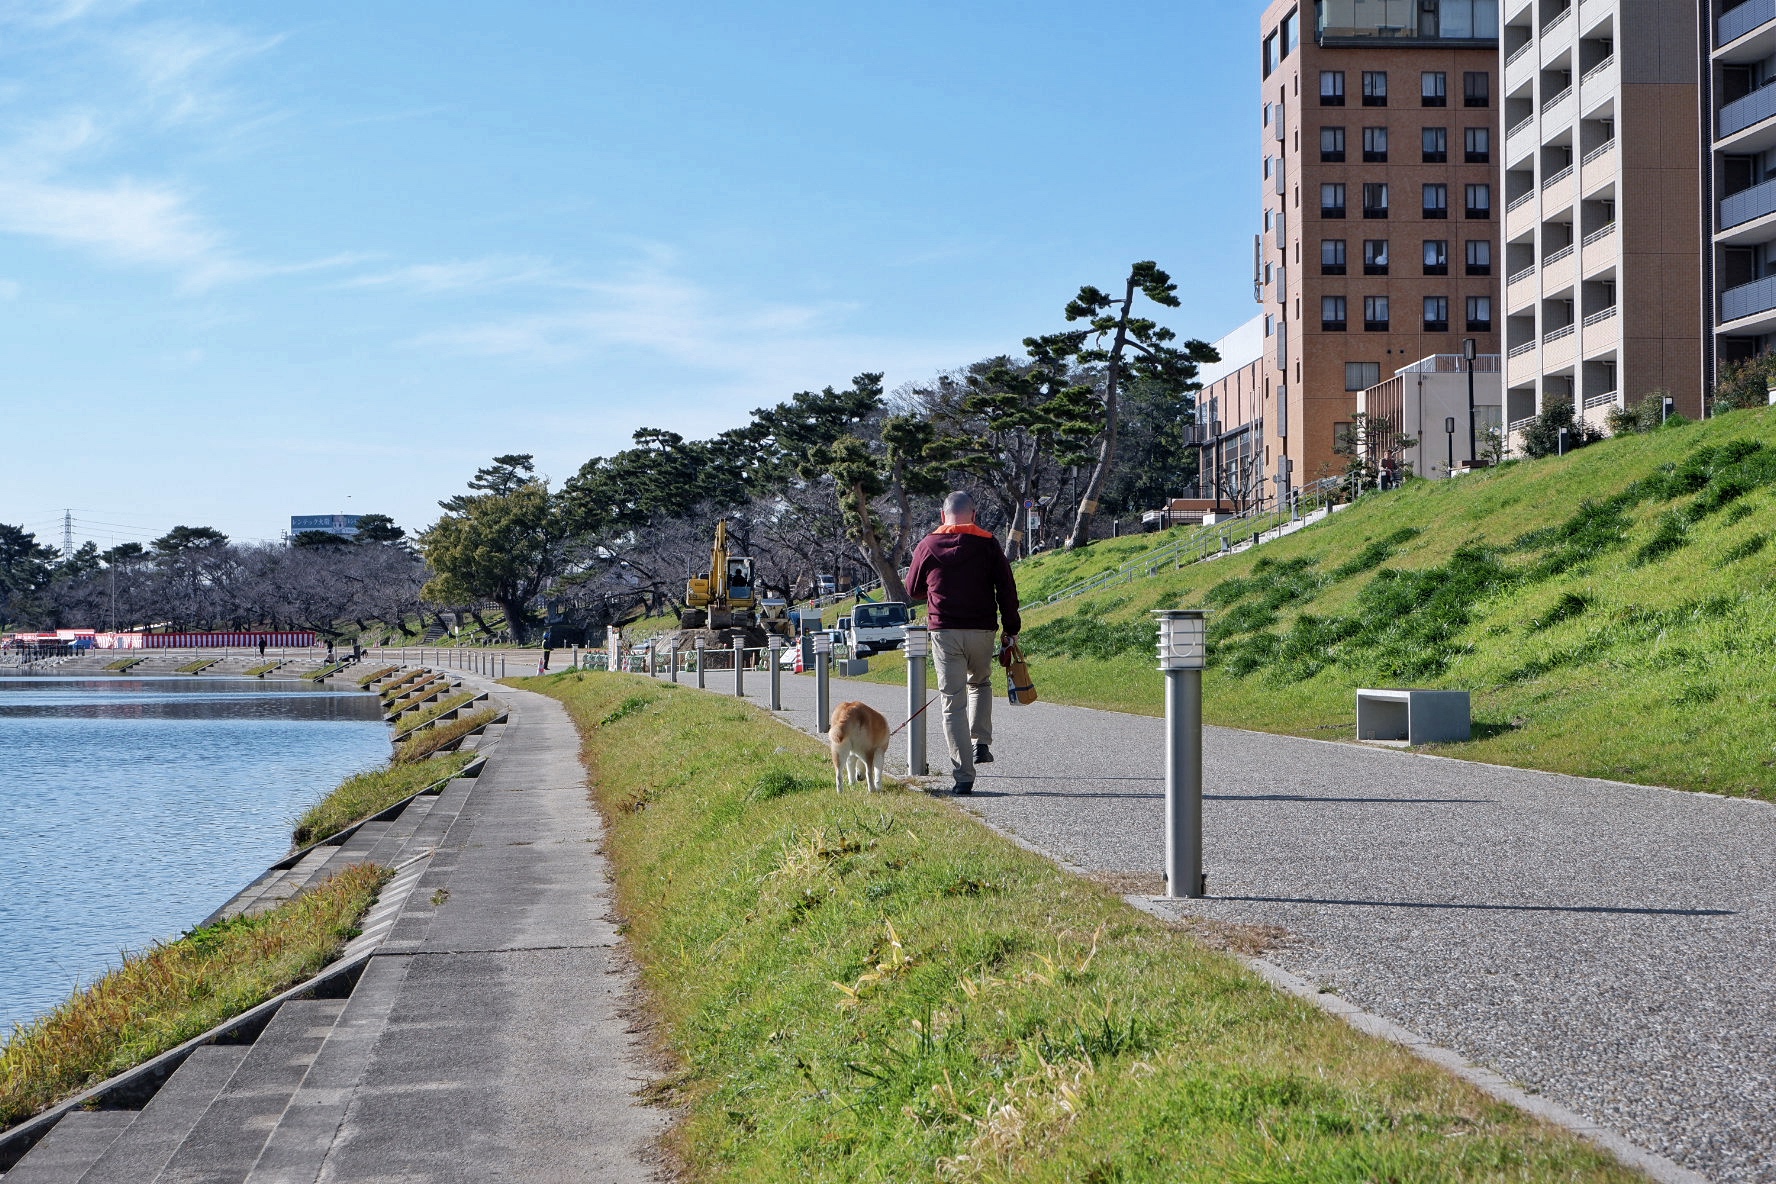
(473, 1031)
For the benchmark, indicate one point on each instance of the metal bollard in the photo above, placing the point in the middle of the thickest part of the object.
(822, 682)
(700, 648)
(502, 666)
(739, 668)
(653, 664)
(675, 662)
(918, 645)
(774, 655)
(1181, 657)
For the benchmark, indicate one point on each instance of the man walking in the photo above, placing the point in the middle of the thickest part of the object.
(960, 571)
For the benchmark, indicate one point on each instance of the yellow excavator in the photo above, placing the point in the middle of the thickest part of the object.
(723, 598)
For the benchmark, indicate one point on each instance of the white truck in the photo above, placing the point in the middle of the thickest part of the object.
(872, 628)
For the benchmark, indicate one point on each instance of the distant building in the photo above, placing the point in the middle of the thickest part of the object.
(1380, 127)
(1229, 430)
(343, 525)
(1419, 417)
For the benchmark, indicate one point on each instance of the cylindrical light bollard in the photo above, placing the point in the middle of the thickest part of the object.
(774, 655)
(653, 663)
(822, 681)
(739, 668)
(1182, 654)
(918, 645)
(674, 667)
(701, 646)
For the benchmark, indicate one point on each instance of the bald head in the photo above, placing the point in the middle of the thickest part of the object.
(958, 509)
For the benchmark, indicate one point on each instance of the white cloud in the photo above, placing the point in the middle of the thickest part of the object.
(459, 275)
(50, 13)
(132, 221)
(179, 67)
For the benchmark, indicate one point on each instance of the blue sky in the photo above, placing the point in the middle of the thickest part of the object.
(258, 260)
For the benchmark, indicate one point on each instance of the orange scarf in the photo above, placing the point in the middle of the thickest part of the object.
(964, 528)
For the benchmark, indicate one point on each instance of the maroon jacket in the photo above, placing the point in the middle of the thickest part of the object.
(962, 575)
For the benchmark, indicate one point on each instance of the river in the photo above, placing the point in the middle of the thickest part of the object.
(131, 808)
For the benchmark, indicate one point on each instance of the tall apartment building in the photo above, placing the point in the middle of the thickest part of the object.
(1380, 237)
(1604, 246)
(1740, 204)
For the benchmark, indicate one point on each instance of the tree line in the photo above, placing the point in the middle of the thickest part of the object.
(1085, 426)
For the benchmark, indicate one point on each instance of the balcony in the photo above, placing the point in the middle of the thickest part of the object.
(1549, 103)
(1601, 331)
(1748, 204)
(1555, 178)
(1598, 153)
(1559, 347)
(1748, 299)
(1522, 51)
(1737, 22)
(1560, 18)
(1517, 351)
(1521, 200)
(1522, 126)
(1740, 114)
(1600, 399)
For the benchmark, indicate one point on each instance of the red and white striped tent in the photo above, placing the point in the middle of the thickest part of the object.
(204, 641)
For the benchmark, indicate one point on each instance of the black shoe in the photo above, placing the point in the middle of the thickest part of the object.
(983, 755)
(963, 787)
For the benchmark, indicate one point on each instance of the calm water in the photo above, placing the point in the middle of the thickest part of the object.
(130, 809)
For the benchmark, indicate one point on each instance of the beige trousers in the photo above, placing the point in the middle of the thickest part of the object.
(965, 691)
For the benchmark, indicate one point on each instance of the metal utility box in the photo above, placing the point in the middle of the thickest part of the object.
(1413, 717)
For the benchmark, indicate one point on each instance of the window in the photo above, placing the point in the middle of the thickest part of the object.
(1375, 256)
(1344, 436)
(1436, 145)
(1479, 145)
(1269, 324)
(1331, 88)
(1375, 315)
(1375, 145)
(1332, 144)
(1436, 314)
(1479, 256)
(1375, 200)
(1332, 314)
(1332, 201)
(1270, 54)
(1436, 201)
(1479, 314)
(1434, 89)
(1291, 32)
(1476, 89)
(1332, 256)
(1360, 376)
(1375, 88)
(1436, 257)
(1267, 115)
(1480, 201)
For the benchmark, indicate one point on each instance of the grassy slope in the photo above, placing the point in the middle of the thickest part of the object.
(880, 988)
(1636, 646)
(372, 792)
(172, 992)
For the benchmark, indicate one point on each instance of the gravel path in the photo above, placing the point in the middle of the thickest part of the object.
(1610, 946)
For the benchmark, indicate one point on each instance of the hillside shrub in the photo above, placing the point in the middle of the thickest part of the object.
(1542, 436)
(1744, 384)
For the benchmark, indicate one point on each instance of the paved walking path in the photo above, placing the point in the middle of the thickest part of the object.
(1610, 946)
(484, 1040)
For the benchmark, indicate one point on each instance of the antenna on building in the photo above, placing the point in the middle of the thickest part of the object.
(67, 535)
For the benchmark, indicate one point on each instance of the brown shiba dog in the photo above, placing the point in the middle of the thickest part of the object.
(860, 734)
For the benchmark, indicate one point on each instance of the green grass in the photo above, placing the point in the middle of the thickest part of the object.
(877, 987)
(424, 744)
(196, 665)
(369, 793)
(123, 664)
(262, 669)
(1613, 613)
(331, 668)
(169, 993)
(365, 681)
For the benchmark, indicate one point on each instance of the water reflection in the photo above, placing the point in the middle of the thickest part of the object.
(130, 808)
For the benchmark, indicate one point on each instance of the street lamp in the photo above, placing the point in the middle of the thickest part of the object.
(1449, 427)
(1183, 653)
(701, 643)
(917, 646)
(822, 681)
(775, 654)
(1468, 352)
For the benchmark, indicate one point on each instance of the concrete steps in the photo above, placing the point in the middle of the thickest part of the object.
(166, 1121)
(69, 1151)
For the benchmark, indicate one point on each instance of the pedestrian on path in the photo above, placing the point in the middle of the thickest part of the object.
(960, 571)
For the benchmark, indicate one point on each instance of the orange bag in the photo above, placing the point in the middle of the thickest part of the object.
(1019, 689)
